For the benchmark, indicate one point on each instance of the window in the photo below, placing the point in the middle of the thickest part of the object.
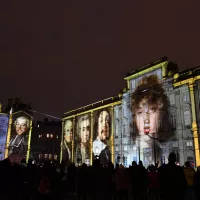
(50, 156)
(51, 135)
(87, 162)
(38, 125)
(175, 144)
(57, 136)
(133, 84)
(185, 97)
(190, 159)
(117, 129)
(134, 148)
(45, 156)
(125, 161)
(55, 157)
(116, 148)
(172, 99)
(47, 135)
(40, 136)
(40, 156)
(189, 143)
(187, 118)
(173, 121)
(117, 114)
(125, 148)
(135, 158)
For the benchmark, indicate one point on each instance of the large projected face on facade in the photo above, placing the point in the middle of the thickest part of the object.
(84, 128)
(148, 104)
(103, 125)
(18, 144)
(21, 125)
(68, 131)
(67, 140)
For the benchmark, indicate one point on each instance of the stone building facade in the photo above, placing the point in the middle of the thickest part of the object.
(157, 113)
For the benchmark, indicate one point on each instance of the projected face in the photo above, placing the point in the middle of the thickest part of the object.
(21, 125)
(84, 129)
(147, 117)
(147, 102)
(103, 125)
(68, 131)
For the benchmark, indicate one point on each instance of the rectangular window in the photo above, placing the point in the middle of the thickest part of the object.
(116, 129)
(125, 161)
(55, 157)
(190, 159)
(187, 118)
(117, 114)
(175, 144)
(135, 158)
(134, 148)
(185, 97)
(125, 148)
(189, 143)
(172, 99)
(173, 121)
(51, 135)
(116, 148)
(47, 135)
(133, 84)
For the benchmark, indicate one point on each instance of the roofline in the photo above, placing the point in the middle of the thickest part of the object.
(149, 67)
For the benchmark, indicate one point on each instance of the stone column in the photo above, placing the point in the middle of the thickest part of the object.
(29, 141)
(73, 140)
(112, 135)
(8, 135)
(91, 138)
(194, 125)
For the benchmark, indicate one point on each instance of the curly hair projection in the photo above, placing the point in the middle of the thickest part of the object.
(151, 94)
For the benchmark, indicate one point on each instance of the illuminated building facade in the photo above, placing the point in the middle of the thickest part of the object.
(156, 113)
(45, 141)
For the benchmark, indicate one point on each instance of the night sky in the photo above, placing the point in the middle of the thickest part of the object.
(61, 55)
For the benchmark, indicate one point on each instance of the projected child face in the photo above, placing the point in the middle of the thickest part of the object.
(147, 116)
(148, 102)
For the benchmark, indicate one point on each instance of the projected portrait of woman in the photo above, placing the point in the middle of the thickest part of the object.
(83, 134)
(150, 108)
(67, 141)
(19, 137)
(102, 130)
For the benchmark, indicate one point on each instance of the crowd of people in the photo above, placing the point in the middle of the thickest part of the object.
(58, 181)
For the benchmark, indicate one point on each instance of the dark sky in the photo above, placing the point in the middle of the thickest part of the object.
(61, 55)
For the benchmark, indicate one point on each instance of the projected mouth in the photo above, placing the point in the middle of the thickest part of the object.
(146, 131)
(146, 127)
